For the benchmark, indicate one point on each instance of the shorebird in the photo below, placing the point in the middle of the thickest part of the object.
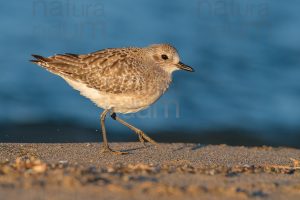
(119, 80)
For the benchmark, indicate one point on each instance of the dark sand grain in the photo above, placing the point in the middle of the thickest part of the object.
(173, 171)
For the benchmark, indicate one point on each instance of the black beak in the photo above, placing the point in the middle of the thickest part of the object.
(182, 66)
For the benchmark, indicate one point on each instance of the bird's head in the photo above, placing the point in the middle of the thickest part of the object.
(166, 57)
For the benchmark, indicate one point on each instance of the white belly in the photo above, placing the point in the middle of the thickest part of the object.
(120, 103)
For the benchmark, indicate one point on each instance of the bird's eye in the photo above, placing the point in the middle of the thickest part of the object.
(164, 56)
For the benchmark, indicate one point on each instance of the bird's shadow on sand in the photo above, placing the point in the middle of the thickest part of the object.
(129, 151)
(190, 146)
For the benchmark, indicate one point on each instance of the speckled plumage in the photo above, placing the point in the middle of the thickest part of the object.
(122, 80)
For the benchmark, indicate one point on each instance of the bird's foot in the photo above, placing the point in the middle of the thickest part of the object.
(143, 137)
(109, 150)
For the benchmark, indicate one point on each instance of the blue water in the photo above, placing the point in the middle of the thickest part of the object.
(246, 55)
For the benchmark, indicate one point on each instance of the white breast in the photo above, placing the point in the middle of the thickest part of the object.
(121, 103)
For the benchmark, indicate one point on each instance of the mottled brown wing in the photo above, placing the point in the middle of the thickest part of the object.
(110, 70)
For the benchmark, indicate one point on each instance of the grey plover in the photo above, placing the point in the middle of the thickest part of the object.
(119, 80)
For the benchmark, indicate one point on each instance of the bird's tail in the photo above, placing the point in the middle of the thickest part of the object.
(40, 60)
(60, 64)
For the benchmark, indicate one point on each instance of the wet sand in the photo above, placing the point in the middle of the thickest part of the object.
(172, 171)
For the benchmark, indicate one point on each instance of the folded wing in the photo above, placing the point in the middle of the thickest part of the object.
(110, 70)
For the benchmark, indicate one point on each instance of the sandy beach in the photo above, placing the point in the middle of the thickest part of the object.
(170, 171)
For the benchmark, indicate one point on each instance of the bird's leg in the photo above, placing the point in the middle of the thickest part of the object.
(106, 147)
(141, 134)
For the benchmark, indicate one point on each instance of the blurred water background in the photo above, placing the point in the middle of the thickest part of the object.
(246, 53)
